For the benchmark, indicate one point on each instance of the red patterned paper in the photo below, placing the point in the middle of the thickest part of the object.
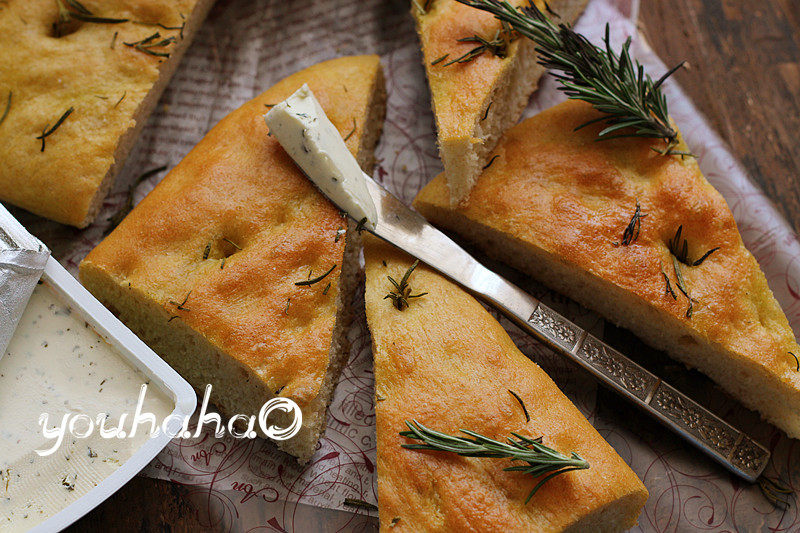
(245, 47)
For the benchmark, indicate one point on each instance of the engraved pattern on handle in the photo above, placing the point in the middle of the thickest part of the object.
(710, 433)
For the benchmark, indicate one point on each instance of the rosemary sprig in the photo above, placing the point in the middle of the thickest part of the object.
(401, 294)
(148, 45)
(631, 232)
(615, 84)
(70, 10)
(8, 108)
(497, 46)
(48, 132)
(540, 459)
(315, 280)
(680, 249)
(776, 492)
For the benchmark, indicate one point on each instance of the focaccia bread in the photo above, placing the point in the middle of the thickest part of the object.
(556, 204)
(445, 362)
(474, 102)
(215, 269)
(57, 55)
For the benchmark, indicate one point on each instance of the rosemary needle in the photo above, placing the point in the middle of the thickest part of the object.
(48, 132)
(8, 108)
(541, 459)
(521, 404)
(315, 280)
(351, 131)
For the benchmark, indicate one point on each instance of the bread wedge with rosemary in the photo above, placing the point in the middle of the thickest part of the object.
(476, 97)
(77, 83)
(444, 363)
(640, 237)
(236, 270)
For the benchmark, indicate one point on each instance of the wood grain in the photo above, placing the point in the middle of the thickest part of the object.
(744, 75)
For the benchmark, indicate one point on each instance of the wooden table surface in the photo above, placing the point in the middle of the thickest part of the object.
(743, 74)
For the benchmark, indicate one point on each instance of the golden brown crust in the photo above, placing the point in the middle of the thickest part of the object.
(48, 75)
(558, 197)
(238, 192)
(447, 363)
(474, 102)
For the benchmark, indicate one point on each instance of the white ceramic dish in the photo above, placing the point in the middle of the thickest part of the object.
(138, 355)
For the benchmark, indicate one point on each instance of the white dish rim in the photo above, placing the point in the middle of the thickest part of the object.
(139, 355)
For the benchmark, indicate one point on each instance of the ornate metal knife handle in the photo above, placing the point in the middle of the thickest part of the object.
(718, 439)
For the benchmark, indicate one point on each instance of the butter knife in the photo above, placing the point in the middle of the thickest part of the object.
(302, 128)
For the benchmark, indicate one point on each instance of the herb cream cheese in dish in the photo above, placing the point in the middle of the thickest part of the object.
(58, 365)
(308, 136)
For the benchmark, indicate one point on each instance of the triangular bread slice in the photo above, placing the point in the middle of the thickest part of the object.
(109, 74)
(556, 204)
(206, 268)
(445, 362)
(476, 101)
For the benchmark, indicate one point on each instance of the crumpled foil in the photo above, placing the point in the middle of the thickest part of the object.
(22, 261)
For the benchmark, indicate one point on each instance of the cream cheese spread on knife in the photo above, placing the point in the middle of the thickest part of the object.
(308, 136)
(57, 364)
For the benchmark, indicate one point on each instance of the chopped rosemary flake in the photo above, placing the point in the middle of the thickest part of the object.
(48, 132)
(339, 233)
(394, 522)
(173, 317)
(668, 289)
(631, 232)
(352, 502)
(682, 285)
(705, 256)
(232, 243)
(422, 8)
(8, 108)
(315, 280)
(439, 59)
(222, 264)
(121, 98)
(540, 459)
(114, 39)
(486, 114)
(521, 404)
(360, 225)
(351, 131)
(680, 249)
(327, 288)
(401, 294)
(796, 362)
(206, 251)
(182, 306)
(776, 492)
(148, 44)
(487, 165)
